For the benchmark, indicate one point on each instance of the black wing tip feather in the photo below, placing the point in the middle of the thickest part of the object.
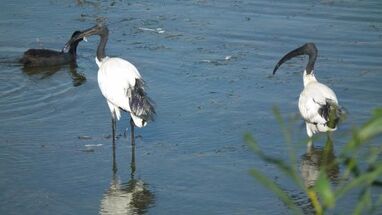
(142, 105)
(331, 112)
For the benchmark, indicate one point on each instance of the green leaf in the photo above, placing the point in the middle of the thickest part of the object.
(280, 164)
(369, 130)
(323, 188)
(322, 195)
(363, 202)
(363, 180)
(268, 183)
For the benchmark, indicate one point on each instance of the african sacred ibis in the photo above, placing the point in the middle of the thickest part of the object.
(121, 84)
(318, 103)
(48, 57)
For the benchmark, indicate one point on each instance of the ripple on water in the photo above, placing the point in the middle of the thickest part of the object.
(26, 96)
(207, 65)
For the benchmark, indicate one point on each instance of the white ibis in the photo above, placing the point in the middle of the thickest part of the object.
(48, 57)
(318, 103)
(121, 84)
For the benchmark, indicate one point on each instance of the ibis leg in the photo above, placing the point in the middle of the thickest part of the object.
(132, 163)
(114, 158)
(132, 141)
(309, 145)
(330, 134)
(132, 137)
(113, 125)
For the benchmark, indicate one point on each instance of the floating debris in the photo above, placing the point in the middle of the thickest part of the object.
(84, 137)
(156, 30)
(228, 57)
(218, 62)
(90, 147)
(93, 145)
(88, 150)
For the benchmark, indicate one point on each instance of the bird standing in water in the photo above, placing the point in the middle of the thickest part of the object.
(121, 84)
(318, 103)
(47, 57)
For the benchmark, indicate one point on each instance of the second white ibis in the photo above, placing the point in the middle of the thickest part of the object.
(318, 103)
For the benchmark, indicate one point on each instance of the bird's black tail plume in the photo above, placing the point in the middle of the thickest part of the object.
(307, 49)
(331, 112)
(140, 104)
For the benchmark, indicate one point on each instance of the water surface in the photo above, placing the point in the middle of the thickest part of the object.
(208, 67)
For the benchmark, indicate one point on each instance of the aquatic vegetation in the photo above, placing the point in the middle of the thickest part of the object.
(361, 170)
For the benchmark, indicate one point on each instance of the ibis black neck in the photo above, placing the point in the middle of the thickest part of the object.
(102, 44)
(307, 49)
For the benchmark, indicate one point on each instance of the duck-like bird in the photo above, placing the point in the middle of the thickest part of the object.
(48, 57)
(121, 84)
(318, 103)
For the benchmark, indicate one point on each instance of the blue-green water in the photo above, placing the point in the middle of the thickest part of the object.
(208, 67)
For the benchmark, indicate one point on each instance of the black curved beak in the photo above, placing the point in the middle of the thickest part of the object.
(287, 57)
(82, 36)
(307, 49)
(72, 41)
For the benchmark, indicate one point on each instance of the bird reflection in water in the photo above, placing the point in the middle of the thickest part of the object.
(311, 163)
(132, 197)
(46, 72)
(316, 158)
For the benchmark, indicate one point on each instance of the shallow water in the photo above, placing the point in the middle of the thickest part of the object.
(208, 67)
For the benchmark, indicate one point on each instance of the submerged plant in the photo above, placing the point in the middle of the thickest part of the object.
(319, 177)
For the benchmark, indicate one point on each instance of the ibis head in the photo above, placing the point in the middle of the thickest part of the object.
(307, 49)
(99, 29)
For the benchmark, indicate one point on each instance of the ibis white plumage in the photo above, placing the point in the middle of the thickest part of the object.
(121, 84)
(317, 103)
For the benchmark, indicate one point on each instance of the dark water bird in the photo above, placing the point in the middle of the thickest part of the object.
(317, 103)
(120, 83)
(47, 57)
